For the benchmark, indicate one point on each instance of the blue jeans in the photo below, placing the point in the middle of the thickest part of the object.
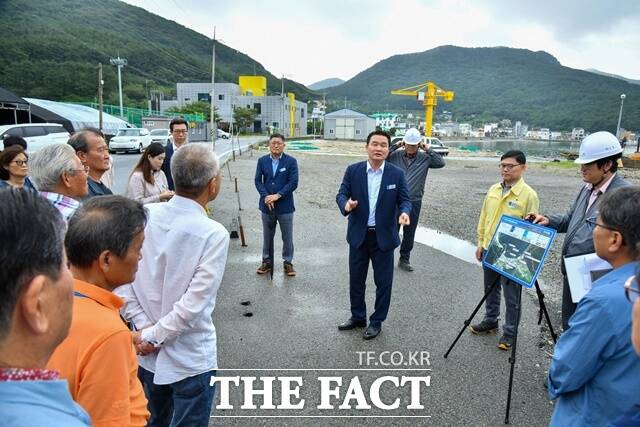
(269, 231)
(185, 403)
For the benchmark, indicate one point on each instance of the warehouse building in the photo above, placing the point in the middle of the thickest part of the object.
(348, 124)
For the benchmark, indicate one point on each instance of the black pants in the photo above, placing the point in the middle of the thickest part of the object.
(382, 276)
(409, 231)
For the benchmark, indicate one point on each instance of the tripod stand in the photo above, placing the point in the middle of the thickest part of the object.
(512, 358)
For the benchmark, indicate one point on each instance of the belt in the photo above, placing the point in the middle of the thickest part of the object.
(371, 229)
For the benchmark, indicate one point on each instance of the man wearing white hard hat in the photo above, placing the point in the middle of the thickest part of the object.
(598, 160)
(416, 165)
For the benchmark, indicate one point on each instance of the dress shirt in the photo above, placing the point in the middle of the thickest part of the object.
(596, 192)
(374, 179)
(595, 373)
(274, 164)
(174, 292)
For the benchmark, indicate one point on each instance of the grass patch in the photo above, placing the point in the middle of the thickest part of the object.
(563, 164)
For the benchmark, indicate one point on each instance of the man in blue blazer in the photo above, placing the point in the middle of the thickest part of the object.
(276, 180)
(179, 129)
(372, 194)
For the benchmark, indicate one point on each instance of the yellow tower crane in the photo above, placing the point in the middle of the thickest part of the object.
(428, 93)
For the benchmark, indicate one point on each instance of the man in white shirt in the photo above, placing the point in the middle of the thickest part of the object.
(172, 299)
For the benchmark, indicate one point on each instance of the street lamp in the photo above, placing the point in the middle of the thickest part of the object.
(622, 97)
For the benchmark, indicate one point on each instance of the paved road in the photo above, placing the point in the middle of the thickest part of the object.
(289, 326)
(124, 163)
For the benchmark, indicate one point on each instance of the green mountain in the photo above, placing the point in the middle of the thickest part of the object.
(51, 49)
(617, 76)
(326, 83)
(496, 83)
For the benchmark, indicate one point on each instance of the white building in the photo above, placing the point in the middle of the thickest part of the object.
(465, 129)
(577, 133)
(282, 113)
(544, 133)
(348, 124)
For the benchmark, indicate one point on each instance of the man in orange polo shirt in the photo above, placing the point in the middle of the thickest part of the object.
(98, 358)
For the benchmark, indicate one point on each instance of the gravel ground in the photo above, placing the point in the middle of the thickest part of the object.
(293, 321)
(454, 195)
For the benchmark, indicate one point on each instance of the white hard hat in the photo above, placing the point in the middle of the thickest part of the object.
(412, 137)
(596, 146)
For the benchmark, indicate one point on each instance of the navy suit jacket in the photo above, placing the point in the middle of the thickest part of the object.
(393, 199)
(166, 165)
(284, 182)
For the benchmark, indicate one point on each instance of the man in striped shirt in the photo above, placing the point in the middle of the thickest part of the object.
(416, 165)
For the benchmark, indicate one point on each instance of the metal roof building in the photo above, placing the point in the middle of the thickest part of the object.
(348, 124)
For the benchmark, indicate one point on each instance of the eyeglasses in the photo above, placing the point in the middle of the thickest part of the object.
(84, 169)
(179, 131)
(20, 162)
(507, 167)
(631, 290)
(594, 223)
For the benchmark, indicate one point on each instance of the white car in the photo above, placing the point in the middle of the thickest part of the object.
(222, 134)
(131, 139)
(162, 136)
(435, 144)
(37, 135)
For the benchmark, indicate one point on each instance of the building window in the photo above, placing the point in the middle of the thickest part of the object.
(357, 131)
(275, 124)
(330, 130)
(302, 113)
(204, 97)
(257, 107)
(221, 97)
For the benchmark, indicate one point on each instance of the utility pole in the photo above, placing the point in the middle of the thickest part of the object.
(100, 101)
(214, 129)
(282, 96)
(622, 97)
(119, 62)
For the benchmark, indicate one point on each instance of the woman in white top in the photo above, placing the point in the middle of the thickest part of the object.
(148, 183)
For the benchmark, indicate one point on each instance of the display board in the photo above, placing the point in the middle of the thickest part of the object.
(518, 249)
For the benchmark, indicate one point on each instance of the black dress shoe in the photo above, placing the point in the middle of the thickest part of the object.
(371, 332)
(352, 324)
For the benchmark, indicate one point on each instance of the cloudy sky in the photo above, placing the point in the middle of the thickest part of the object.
(311, 41)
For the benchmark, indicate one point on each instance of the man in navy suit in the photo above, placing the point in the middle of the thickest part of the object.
(276, 180)
(372, 194)
(179, 129)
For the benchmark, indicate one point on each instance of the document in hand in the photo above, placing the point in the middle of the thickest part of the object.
(582, 271)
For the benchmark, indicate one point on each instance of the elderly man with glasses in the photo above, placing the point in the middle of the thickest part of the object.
(60, 177)
(598, 160)
(595, 373)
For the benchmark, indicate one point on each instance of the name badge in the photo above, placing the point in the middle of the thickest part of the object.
(283, 169)
(512, 204)
(391, 187)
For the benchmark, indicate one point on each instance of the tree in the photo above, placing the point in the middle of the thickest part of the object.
(197, 107)
(243, 117)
